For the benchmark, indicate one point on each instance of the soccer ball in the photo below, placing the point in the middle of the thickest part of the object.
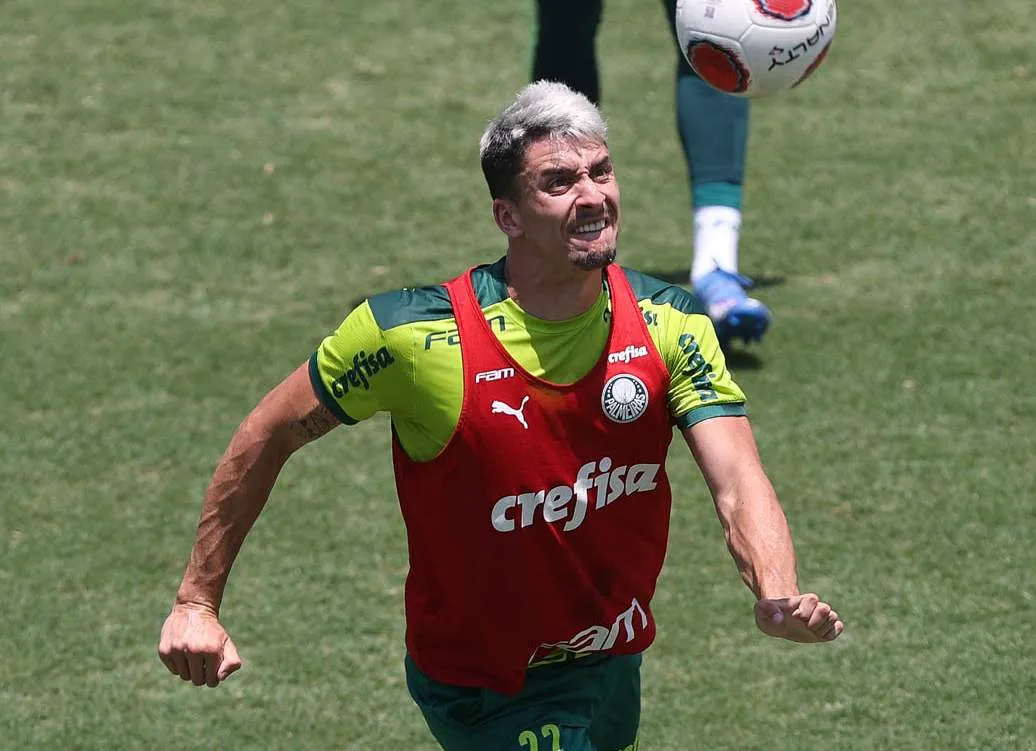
(755, 47)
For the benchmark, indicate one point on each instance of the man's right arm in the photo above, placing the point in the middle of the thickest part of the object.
(193, 644)
(344, 382)
(287, 418)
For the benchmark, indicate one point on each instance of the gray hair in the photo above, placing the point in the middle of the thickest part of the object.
(543, 109)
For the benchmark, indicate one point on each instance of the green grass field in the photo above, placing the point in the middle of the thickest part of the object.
(192, 193)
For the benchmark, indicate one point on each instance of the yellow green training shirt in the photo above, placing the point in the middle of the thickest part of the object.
(398, 352)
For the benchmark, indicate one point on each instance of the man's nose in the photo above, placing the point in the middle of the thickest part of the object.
(590, 193)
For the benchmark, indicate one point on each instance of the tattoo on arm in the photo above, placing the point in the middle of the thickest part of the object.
(311, 426)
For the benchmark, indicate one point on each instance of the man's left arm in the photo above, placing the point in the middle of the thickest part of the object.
(756, 531)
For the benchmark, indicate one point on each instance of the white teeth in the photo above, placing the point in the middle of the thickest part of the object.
(591, 227)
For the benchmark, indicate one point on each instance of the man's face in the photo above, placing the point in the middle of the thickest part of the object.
(568, 203)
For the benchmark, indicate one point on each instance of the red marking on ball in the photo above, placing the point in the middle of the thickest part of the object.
(718, 66)
(785, 10)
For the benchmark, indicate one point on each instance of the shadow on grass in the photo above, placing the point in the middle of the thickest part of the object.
(741, 359)
(679, 277)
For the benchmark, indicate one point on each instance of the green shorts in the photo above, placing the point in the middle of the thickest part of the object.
(588, 704)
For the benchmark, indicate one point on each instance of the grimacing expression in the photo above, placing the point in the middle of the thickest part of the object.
(569, 200)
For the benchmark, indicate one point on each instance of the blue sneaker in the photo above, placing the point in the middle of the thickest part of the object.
(734, 314)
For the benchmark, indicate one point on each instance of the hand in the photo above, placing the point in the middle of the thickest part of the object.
(195, 646)
(802, 618)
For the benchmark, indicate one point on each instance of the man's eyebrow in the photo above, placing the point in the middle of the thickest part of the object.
(556, 171)
(561, 171)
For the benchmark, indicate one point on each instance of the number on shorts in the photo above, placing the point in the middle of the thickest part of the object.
(528, 739)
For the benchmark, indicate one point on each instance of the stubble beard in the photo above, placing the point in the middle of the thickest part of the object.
(589, 260)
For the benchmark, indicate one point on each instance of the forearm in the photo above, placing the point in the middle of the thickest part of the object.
(758, 537)
(239, 489)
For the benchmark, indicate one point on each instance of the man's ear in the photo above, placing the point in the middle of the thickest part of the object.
(507, 217)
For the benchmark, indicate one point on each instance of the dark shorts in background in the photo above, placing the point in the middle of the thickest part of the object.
(588, 704)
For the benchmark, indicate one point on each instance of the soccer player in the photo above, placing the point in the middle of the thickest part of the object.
(713, 129)
(533, 402)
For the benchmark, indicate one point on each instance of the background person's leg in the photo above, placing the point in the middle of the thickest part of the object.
(713, 129)
(565, 44)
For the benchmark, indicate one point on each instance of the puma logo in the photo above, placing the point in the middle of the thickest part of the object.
(507, 409)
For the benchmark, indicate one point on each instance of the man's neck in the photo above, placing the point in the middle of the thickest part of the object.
(551, 294)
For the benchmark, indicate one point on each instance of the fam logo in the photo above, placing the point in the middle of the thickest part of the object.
(625, 398)
(451, 337)
(494, 375)
(600, 638)
(785, 10)
(364, 368)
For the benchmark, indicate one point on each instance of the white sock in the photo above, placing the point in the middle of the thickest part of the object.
(716, 230)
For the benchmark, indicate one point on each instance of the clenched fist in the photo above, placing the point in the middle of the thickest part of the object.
(195, 646)
(802, 618)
